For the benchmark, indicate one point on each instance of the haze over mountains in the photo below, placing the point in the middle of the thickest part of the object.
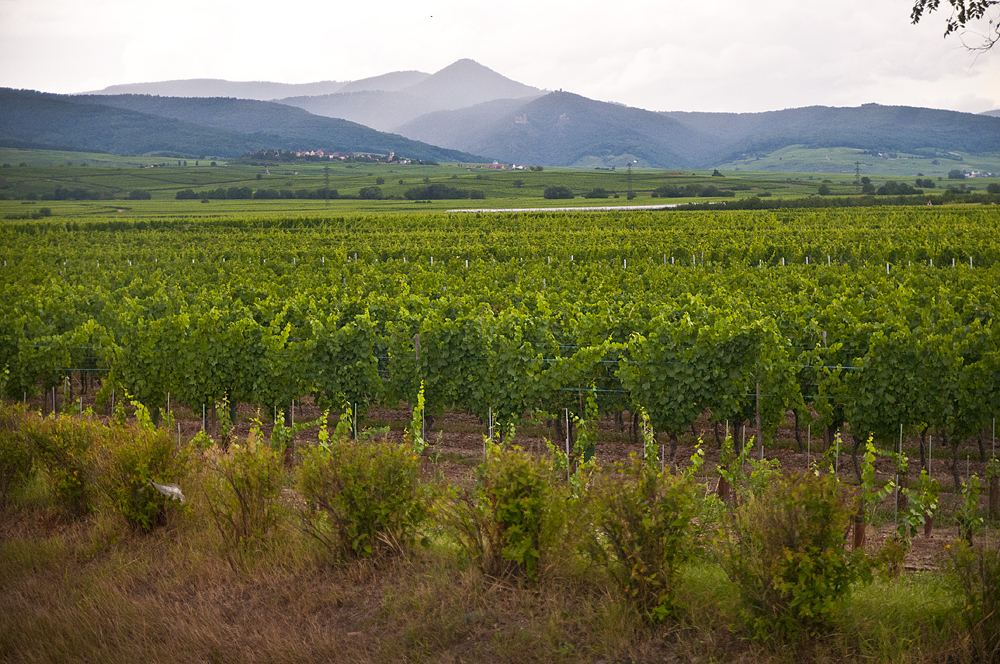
(467, 109)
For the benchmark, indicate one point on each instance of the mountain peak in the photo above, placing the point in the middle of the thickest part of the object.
(465, 83)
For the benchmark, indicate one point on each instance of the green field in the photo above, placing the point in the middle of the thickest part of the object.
(887, 165)
(23, 187)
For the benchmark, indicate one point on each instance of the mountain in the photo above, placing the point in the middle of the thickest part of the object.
(214, 87)
(136, 124)
(36, 120)
(466, 83)
(373, 108)
(459, 85)
(262, 90)
(563, 129)
(994, 113)
(391, 82)
(868, 127)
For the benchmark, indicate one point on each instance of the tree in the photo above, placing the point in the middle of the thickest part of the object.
(370, 193)
(557, 191)
(824, 190)
(380, 181)
(956, 174)
(964, 14)
(717, 174)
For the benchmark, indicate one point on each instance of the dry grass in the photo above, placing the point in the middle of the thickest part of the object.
(94, 590)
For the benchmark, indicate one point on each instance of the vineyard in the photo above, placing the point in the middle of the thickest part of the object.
(876, 319)
(856, 337)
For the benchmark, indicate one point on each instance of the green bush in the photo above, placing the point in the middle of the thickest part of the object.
(242, 489)
(126, 460)
(513, 519)
(785, 553)
(16, 459)
(62, 446)
(362, 500)
(557, 192)
(643, 530)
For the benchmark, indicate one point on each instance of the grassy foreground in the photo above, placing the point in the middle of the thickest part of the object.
(93, 588)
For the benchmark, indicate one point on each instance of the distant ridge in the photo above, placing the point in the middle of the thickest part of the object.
(459, 85)
(391, 82)
(214, 87)
(563, 129)
(263, 90)
(137, 124)
(994, 113)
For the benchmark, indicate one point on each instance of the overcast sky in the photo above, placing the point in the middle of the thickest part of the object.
(709, 55)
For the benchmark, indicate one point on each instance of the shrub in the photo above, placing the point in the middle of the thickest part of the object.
(370, 193)
(596, 192)
(126, 461)
(242, 490)
(668, 191)
(16, 459)
(139, 195)
(643, 530)
(978, 573)
(785, 554)
(513, 518)
(435, 192)
(557, 192)
(362, 500)
(63, 448)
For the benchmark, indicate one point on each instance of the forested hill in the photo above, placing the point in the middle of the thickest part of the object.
(136, 124)
(868, 127)
(563, 129)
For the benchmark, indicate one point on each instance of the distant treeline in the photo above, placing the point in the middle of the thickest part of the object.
(758, 203)
(81, 194)
(437, 192)
(694, 190)
(246, 193)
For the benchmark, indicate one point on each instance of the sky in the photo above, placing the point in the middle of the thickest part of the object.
(665, 55)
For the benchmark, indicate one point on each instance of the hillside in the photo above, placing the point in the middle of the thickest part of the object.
(36, 120)
(462, 84)
(466, 83)
(868, 127)
(391, 82)
(137, 124)
(384, 111)
(562, 129)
